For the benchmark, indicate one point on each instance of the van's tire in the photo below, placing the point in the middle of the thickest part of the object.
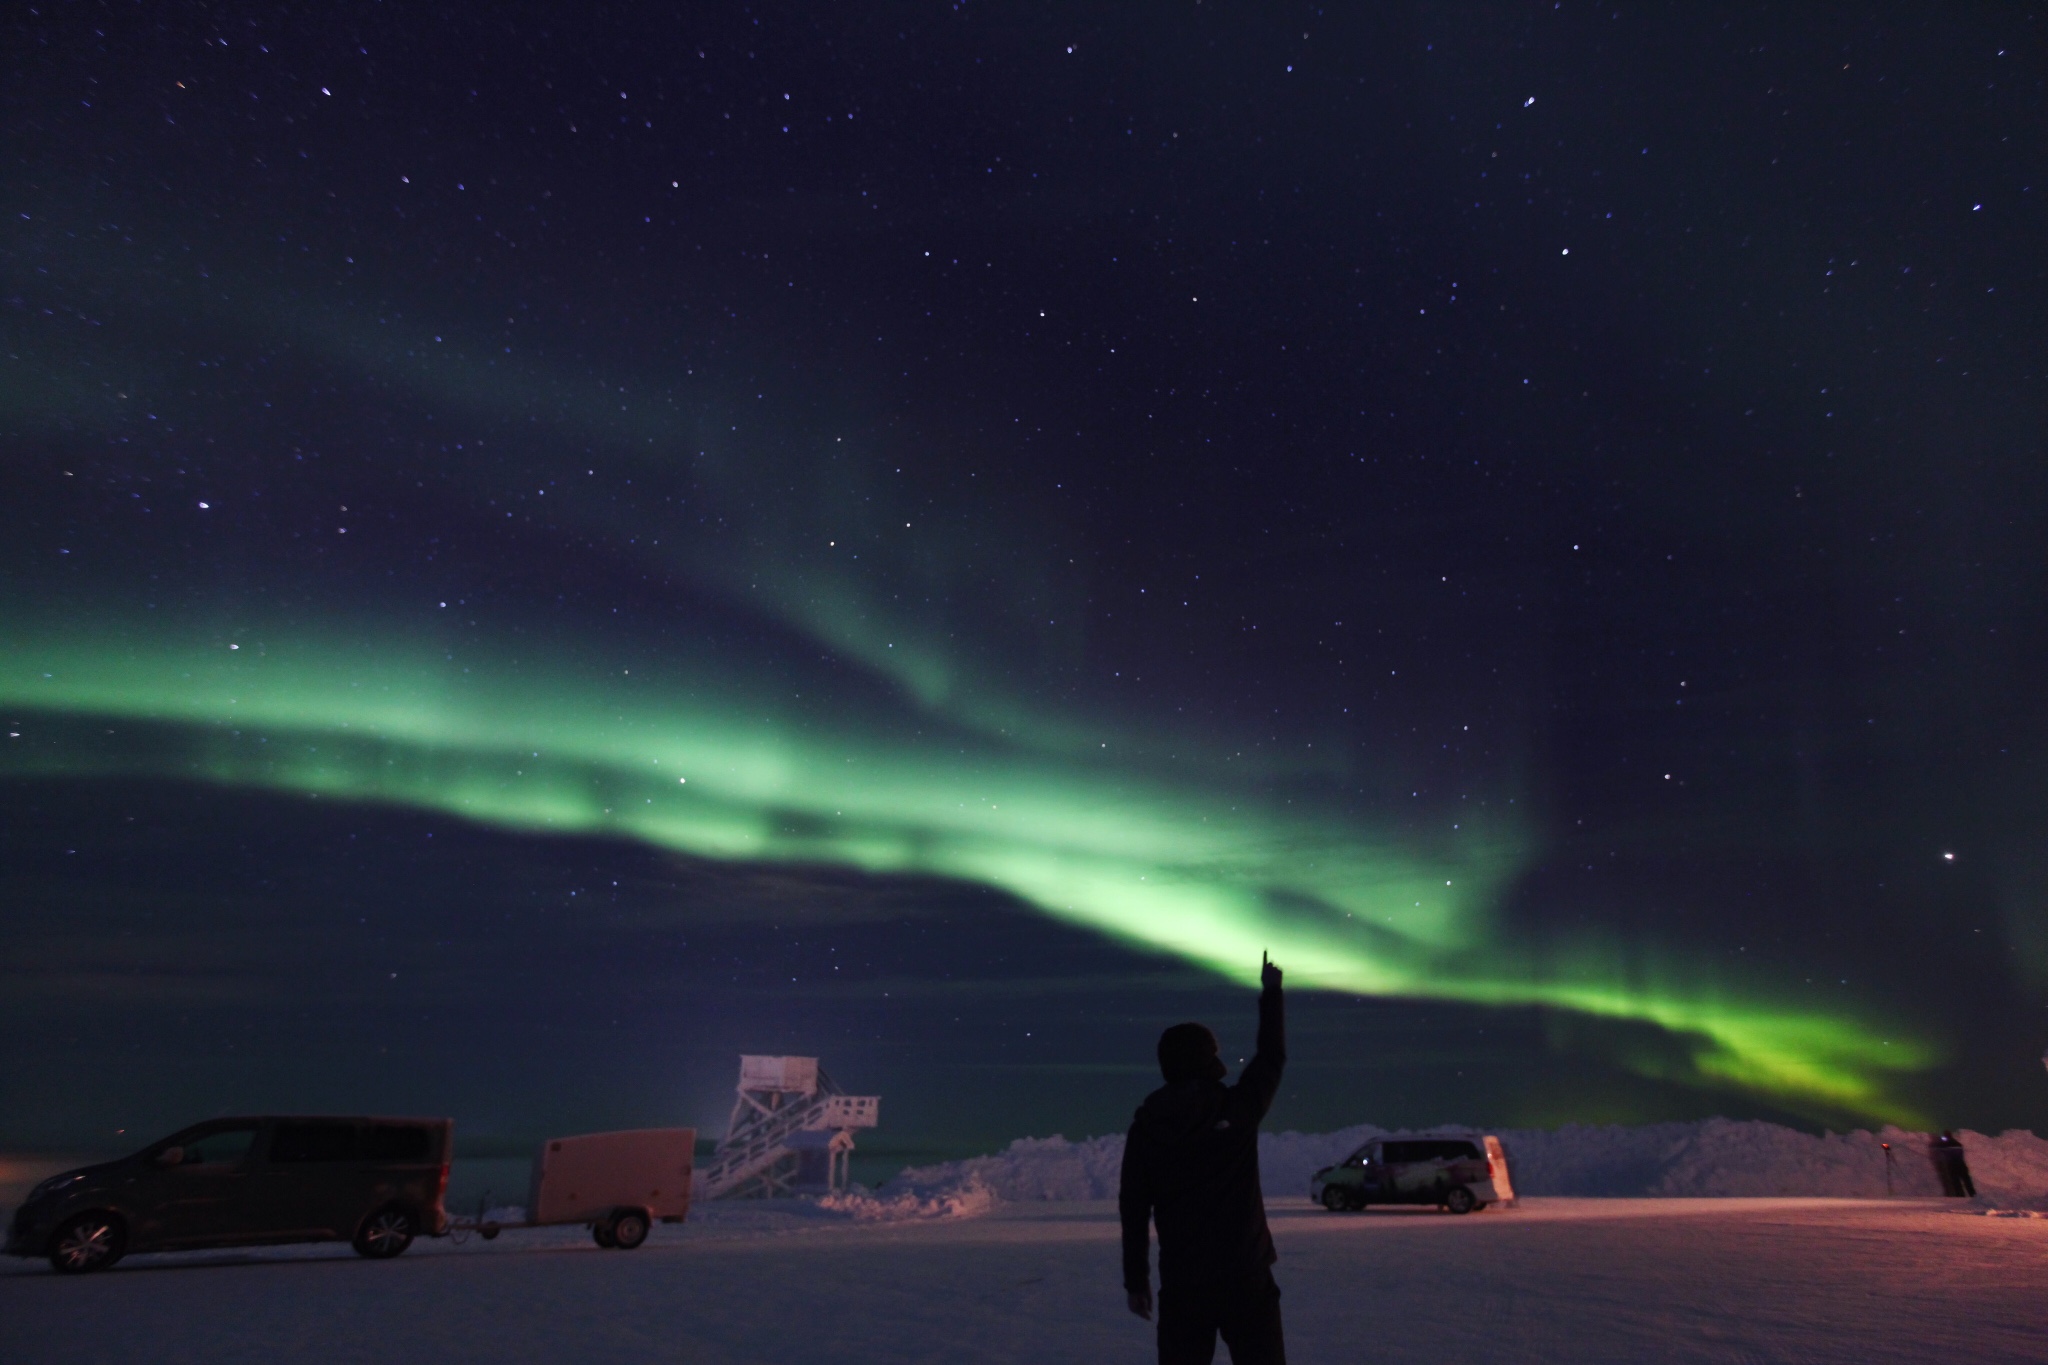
(89, 1242)
(386, 1233)
(601, 1233)
(629, 1229)
(1336, 1198)
(1458, 1199)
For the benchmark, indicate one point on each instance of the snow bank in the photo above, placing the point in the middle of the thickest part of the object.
(958, 1198)
(1031, 1169)
(1722, 1157)
(1717, 1157)
(963, 1199)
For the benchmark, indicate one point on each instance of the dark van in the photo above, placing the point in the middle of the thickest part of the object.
(374, 1182)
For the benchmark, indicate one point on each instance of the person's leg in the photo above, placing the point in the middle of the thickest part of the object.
(1187, 1325)
(1249, 1320)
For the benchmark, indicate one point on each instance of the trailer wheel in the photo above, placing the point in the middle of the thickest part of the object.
(629, 1229)
(601, 1233)
(1458, 1199)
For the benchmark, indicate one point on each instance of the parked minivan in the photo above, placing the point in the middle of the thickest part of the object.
(374, 1182)
(1451, 1172)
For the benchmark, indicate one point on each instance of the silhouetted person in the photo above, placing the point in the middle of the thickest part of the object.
(1950, 1166)
(1191, 1163)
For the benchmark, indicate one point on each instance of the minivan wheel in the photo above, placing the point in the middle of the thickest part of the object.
(629, 1229)
(385, 1233)
(91, 1241)
(1458, 1199)
(1336, 1198)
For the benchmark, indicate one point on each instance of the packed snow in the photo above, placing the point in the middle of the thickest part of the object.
(1588, 1281)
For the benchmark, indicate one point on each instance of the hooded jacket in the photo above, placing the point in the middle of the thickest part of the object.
(1191, 1163)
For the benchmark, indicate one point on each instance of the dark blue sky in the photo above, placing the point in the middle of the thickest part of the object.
(1083, 497)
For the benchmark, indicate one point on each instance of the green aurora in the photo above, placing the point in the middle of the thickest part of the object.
(1209, 870)
(1211, 853)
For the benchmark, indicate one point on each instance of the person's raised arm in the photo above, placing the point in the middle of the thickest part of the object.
(1261, 1076)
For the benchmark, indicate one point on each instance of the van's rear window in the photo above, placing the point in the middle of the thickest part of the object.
(396, 1142)
(291, 1142)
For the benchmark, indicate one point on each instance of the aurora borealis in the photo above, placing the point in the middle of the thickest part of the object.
(1197, 875)
(1530, 561)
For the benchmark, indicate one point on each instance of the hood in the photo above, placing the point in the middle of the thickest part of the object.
(58, 1183)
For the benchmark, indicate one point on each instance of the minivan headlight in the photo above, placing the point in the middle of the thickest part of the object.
(53, 1185)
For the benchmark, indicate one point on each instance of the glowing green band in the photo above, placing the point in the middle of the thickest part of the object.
(1210, 875)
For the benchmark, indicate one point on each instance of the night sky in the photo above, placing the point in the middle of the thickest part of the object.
(546, 547)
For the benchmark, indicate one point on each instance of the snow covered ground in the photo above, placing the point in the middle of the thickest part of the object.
(1564, 1280)
(1013, 1257)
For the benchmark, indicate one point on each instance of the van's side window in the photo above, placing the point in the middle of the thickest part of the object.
(222, 1147)
(396, 1142)
(1403, 1153)
(296, 1142)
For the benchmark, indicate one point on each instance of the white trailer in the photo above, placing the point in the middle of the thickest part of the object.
(616, 1184)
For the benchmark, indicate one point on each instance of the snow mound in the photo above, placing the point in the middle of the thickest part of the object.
(967, 1198)
(1713, 1158)
(958, 1199)
(1030, 1170)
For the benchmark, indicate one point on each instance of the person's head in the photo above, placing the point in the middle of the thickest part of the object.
(1188, 1052)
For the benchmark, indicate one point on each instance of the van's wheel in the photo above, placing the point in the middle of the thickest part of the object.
(385, 1233)
(1336, 1198)
(91, 1241)
(629, 1229)
(1458, 1199)
(601, 1233)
